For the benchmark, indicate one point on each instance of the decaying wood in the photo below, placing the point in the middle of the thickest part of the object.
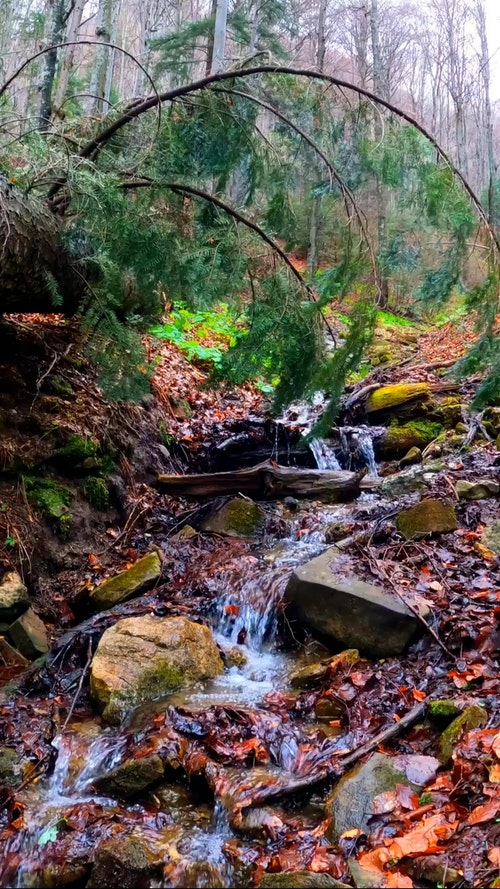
(272, 482)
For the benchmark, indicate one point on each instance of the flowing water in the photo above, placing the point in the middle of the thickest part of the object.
(246, 595)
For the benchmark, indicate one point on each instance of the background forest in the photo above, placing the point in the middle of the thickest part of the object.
(287, 158)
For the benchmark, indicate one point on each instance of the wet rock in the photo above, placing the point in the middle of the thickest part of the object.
(328, 708)
(186, 533)
(353, 802)
(491, 536)
(478, 490)
(362, 877)
(143, 658)
(397, 440)
(236, 657)
(10, 655)
(10, 767)
(414, 455)
(29, 636)
(291, 503)
(300, 879)
(131, 777)
(14, 599)
(408, 482)
(58, 874)
(336, 531)
(123, 863)
(237, 518)
(472, 717)
(122, 586)
(348, 610)
(313, 673)
(426, 517)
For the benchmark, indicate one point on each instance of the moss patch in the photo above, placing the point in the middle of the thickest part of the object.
(444, 709)
(77, 448)
(472, 717)
(414, 434)
(97, 493)
(388, 397)
(237, 518)
(52, 500)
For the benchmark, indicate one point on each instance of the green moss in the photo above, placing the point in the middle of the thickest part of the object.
(60, 386)
(77, 448)
(390, 320)
(471, 718)
(97, 493)
(388, 397)
(65, 525)
(414, 434)
(166, 437)
(443, 709)
(237, 518)
(123, 585)
(52, 500)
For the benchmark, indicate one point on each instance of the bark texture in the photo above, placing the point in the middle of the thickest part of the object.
(31, 251)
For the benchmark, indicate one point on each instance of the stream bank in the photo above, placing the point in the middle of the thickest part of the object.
(228, 783)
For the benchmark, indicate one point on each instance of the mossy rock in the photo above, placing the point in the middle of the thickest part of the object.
(472, 717)
(60, 386)
(237, 518)
(131, 777)
(426, 517)
(124, 585)
(97, 492)
(10, 767)
(123, 863)
(141, 659)
(414, 455)
(491, 536)
(480, 489)
(398, 440)
(300, 879)
(388, 397)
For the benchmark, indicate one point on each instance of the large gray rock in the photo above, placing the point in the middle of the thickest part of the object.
(354, 803)
(29, 636)
(350, 611)
(14, 599)
(140, 575)
(143, 658)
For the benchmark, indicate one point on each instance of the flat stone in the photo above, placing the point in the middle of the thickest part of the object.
(123, 863)
(14, 599)
(407, 482)
(29, 636)
(491, 536)
(144, 658)
(353, 802)
(237, 518)
(478, 490)
(427, 517)
(350, 611)
(122, 586)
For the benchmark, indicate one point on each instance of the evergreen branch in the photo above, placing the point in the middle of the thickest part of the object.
(139, 107)
(347, 193)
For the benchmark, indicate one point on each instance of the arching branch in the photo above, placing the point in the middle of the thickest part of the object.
(140, 107)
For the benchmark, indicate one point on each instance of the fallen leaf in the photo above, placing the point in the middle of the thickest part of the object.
(494, 856)
(486, 812)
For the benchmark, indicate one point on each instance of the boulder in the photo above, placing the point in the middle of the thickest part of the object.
(14, 599)
(300, 879)
(131, 777)
(143, 658)
(491, 536)
(29, 636)
(348, 610)
(237, 518)
(426, 517)
(414, 455)
(478, 490)
(353, 802)
(123, 863)
(122, 586)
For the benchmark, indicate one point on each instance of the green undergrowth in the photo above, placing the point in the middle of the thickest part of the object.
(190, 331)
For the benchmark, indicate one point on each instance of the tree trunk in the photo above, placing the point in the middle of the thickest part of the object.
(105, 18)
(380, 87)
(72, 29)
(219, 36)
(35, 264)
(488, 117)
(315, 221)
(54, 33)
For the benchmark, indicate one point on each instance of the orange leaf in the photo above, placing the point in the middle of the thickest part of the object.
(495, 746)
(232, 609)
(398, 881)
(494, 774)
(494, 856)
(484, 813)
(419, 695)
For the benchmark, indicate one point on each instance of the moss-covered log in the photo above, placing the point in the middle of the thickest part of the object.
(35, 263)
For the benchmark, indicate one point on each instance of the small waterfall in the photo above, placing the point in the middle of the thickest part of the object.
(324, 454)
(365, 448)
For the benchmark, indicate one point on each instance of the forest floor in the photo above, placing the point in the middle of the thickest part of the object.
(447, 834)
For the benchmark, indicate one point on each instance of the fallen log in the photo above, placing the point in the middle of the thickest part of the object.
(268, 481)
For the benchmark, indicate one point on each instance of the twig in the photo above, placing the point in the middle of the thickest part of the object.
(78, 690)
(57, 357)
(385, 735)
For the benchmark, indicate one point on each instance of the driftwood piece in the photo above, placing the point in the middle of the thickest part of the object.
(271, 482)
